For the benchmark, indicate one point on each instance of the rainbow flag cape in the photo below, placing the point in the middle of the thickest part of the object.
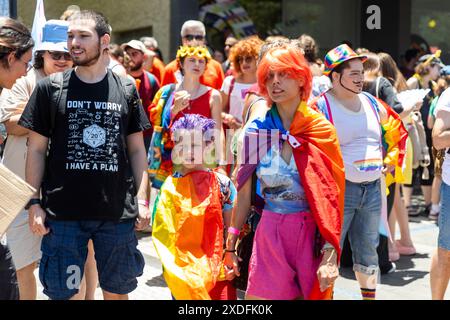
(188, 234)
(319, 162)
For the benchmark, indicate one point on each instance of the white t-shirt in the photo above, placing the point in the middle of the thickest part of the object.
(360, 139)
(237, 96)
(13, 103)
(444, 105)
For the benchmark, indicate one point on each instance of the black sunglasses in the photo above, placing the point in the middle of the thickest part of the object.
(191, 37)
(56, 55)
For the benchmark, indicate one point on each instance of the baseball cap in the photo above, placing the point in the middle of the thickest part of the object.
(135, 44)
(54, 36)
(339, 55)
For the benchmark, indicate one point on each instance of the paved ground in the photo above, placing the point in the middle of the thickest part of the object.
(409, 282)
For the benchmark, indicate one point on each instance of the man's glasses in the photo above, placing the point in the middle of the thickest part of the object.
(57, 55)
(191, 37)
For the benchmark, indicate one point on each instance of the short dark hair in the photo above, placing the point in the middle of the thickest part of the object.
(38, 60)
(14, 37)
(102, 26)
(411, 54)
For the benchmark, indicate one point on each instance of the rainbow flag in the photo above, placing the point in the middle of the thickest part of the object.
(319, 162)
(159, 154)
(188, 234)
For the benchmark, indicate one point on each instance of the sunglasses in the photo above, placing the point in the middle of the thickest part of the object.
(57, 55)
(247, 59)
(191, 37)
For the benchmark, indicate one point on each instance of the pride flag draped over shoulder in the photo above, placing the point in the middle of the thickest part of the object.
(319, 162)
(159, 153)
(188, 234)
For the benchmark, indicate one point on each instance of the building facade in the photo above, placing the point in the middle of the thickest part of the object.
(378, 25)
(129, 19)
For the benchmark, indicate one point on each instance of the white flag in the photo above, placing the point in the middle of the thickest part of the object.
(38, 24)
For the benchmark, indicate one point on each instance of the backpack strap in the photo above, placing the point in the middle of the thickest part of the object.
(152, 79)
(127, 86)
(249, 110)
(60, 83)
(377, 88)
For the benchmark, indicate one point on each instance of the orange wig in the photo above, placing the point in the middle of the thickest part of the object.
(248, 47)
(286, 59)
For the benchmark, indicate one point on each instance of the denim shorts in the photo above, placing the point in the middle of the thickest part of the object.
(444, 218)
(362, 213)
(64, 253)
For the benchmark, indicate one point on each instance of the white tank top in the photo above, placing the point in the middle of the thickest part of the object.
(360, 139)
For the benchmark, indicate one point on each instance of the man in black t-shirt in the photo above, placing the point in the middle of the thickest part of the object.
(93, 182)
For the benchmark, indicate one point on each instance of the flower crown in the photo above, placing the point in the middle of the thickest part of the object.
(200, 52)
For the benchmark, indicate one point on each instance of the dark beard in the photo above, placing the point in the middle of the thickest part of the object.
(89, 61)
(136, 67)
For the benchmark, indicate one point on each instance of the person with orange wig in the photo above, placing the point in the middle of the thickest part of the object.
(293, 154)
(234, 88)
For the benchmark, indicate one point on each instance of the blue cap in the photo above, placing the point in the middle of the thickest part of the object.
(54, 36)
(445, 71)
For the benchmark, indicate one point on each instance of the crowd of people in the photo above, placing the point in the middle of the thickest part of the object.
(256, 139)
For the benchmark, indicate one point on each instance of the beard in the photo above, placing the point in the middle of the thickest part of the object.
(136, 67)
(90, 59)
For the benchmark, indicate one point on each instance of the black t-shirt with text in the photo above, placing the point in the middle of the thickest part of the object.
(88, 173)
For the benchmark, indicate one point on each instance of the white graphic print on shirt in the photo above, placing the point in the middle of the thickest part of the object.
(94, 128)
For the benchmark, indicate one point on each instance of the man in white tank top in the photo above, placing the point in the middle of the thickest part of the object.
(440, 264)
(357, 122)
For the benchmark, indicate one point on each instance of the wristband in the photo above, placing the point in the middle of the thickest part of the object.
(143, 202)
(234, 231)
(233, 251)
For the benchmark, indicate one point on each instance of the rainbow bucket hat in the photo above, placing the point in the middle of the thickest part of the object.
(338, 56)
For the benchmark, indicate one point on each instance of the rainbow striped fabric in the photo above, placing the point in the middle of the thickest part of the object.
(368, 165)
(188, 234)
(159, 153)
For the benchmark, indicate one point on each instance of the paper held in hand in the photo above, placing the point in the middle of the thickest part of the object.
(14, 195)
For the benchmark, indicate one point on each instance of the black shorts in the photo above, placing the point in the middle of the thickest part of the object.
(418, 173)
(8, 281)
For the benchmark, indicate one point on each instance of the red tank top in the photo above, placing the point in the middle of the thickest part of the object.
(200, 106)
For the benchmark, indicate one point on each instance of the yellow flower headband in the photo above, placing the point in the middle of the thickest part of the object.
(200, 52)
